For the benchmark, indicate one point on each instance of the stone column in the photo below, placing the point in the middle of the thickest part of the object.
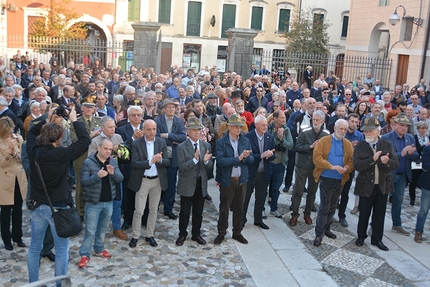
(240, 50)
(145, 48)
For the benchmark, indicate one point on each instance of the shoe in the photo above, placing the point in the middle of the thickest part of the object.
(330, 234)
(208, 197)
(293, 221)
(180, 241)
(263, 215)
(133, 243)
(314, 209)
(276, 214)
(343, 222)
(171, 215)
(317, 241)
(104, 254)
(418, 237)
(390, 199)
(240, 238)
(262, 225)
(308, 219)
(400, 229)
(84, 261)
(412, 202)
(291, 207)
(218, 240)
(118, 233)
(125, 226)
(151, 241)
(380, 245)
(50, 256)
(359, 242)
(354, 210)
(286, 189)
(198, 239)
(20, 243)
(8, 246)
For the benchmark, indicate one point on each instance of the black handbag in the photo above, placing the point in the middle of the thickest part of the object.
(67, 221)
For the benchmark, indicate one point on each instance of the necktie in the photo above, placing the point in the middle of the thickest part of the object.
(198, 168)
(89, 123)
(374, 146)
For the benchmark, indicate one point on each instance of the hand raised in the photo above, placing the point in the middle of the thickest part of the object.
(110, 169)
(376, 155)
(102, 173)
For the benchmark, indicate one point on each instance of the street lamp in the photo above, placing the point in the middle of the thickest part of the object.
(395, 18)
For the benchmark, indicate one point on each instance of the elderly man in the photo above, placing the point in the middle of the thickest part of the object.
(404, 147)
(222, 118)
(172, 130)
(172, 91)
(149, 161)
(333, 164)
(263, 151)
(374, 159)
(375, 111)
(245, 115)
(421, 117)
(415, 103)
(233, 157)
(194, 159)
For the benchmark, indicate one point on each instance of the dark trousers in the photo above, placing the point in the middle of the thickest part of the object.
(290, 168)
(330, 190)
(231, 196)
(378, 202)
(169, 193)
(259, 183)
(344, 197)
(413, 185)
(16, 210)
(197, 202)
(299, 186)
(128, 201)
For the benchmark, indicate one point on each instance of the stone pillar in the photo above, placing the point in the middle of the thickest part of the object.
(240, 50)
(145, 48)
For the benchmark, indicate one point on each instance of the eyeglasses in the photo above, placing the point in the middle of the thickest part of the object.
(135, 115)
(211, 89)
(122, 79)
(348, 94)
(259, 91)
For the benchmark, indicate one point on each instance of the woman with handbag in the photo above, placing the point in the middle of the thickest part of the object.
(43, 147)
(13, 189)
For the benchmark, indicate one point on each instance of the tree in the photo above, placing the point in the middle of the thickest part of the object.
(57, 20)
(308, 34)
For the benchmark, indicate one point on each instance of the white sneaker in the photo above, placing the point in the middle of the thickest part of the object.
(400, 229)
(276, 214)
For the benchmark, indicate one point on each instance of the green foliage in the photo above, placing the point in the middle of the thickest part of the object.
(308, 34)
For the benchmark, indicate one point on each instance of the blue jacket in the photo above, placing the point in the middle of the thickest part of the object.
(409, 139)
(225, 159)
(269, 144)
(424, 179)
(253, 104)
(92, 183)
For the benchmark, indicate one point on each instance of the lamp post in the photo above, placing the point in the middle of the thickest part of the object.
(395, 18)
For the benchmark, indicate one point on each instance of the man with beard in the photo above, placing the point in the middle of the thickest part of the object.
(245, 115)
(212, 109)
(333, 164)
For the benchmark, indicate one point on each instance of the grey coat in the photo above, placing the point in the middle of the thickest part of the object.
(187, 168)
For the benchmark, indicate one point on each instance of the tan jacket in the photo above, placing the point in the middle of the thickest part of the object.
(11, 169)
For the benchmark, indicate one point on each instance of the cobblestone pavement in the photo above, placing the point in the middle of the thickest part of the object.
(209, 265)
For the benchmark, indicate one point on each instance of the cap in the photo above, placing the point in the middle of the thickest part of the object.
(402, 118)
(193, 123)
(212, 96)
(370, 123)
(325, 89)
(235, 120)
(135, 102)
(158, 91)
(169, 102)
(89, 101)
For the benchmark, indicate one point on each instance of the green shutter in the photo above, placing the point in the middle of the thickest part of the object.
(194, 18)
(228, 18)
(345, 26)
(284, 20)
(133, 10)
(164, 7)
(257, 18)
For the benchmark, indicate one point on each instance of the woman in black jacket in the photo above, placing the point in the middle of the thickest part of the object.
(421, 140)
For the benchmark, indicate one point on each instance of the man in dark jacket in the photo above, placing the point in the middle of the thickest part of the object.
(374, 159)
(100, 176)
(233, 157)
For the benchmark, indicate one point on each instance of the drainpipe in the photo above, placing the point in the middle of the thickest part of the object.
(426, 44)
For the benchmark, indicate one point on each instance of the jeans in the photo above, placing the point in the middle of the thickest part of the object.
(169, 193)
(424, 209)
(40, 218)
(277, 170)
(97, 218)
(399, 181)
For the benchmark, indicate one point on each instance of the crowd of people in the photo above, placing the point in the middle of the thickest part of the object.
(128, 141)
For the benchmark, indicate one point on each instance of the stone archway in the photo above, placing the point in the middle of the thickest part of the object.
(379, 40)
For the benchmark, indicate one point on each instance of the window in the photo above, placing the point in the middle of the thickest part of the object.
(409, 26)
(345, 21)
(318, 18)
(257, 18)
(228, 18)
(164, 11)
(284, 20)
(384, 2)
(194, 18)
(133, 10)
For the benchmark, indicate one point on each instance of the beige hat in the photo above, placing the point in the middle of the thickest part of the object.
(193, 123)
(370, 123)
(402, 118)
(235, 120)
(169, 101)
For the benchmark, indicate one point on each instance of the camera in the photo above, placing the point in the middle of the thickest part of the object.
(62, 111)
(280, 148)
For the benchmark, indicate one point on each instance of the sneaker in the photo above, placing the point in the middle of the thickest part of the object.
(276, 214)
(355, 210)
(401, 230)
(264, 216)
(418, 237)
(343, 222)
(104, 254)
(83, 262)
